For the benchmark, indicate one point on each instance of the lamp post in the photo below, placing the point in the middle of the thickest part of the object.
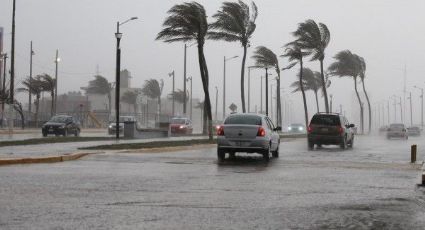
(3, 89)
(184, 76)
(57, 60)
(216, 102)
(411, 113)
(29, 92)
(172, 93)
(422, 105)
(118, 36)
(395, 108)
(224, 83)
(191, 95)
(12, 68)
(249, 87)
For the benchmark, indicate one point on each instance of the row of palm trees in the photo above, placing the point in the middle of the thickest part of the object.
(36, 86)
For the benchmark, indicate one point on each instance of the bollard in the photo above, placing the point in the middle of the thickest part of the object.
(413, 150)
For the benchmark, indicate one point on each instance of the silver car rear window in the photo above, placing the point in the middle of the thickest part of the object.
(243, 120)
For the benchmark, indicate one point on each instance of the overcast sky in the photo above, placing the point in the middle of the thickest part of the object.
(387, 33)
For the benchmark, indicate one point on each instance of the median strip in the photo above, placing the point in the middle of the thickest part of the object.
(47, 159)
(150, 145)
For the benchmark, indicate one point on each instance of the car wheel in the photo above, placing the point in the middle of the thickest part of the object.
(351, 143)
(221, 155)
(310, 145)
(77, 133)
(343, 144)
(266, 154)
(275, 153)
(65, 132)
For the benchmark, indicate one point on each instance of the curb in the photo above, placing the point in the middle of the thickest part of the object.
(38, 160)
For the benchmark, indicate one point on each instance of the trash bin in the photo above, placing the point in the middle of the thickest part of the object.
(129, 129)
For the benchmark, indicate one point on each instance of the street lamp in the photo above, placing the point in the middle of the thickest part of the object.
(29, 93)
(422, 105)
(57, 60)
(216, 102)
(249, 87)
(411, 113)
(3, 89)
(118, 36)
(191, 95)
(184, 76)
(172, 93)
(224, 83)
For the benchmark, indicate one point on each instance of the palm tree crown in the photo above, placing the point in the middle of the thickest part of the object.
(235, 21)
(179, 96)
(152, 88)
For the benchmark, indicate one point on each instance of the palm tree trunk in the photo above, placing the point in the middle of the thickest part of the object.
(360, 103)
(303, 93)
(368, 104)
(242, 79)
(205, 78)
(317, 101)
(325, 93)
(279, 107)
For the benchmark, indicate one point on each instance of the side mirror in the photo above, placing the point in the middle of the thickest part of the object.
(278, 128)
(351, 126)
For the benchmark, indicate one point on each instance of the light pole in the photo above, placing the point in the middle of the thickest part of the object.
(118, 36)
(184, 76)
(249, 87)
(172, 93)
(29, 92)
(422, 105)
(57, 60)
(12, 68)
(395, 107)
(3, 86)
(224, 83)
(191, 95)
(216, 102)
(411, 110)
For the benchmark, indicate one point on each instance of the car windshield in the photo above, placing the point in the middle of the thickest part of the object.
(397, 126)
(178, 121)
(331, 120)
(59, 119)
(243, 120)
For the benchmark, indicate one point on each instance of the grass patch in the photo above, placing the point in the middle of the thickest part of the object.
(150, 145)
(52, 140)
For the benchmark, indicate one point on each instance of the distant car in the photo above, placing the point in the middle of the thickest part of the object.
(397, 131)
(296, 128)
(112, 130)
(330, 129)
(61, 125)
(413, 131)
(250, 133)
(181, 125)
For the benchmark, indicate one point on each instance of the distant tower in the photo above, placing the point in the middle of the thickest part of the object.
(125, 76)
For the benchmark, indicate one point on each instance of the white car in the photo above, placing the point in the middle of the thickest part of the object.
(250, 133)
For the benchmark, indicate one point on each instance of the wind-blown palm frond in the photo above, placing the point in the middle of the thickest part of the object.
(152, 88)
(265, 58)
(313, 37)
(179, 96)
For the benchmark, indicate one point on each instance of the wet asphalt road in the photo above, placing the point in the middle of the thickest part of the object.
(369, 187)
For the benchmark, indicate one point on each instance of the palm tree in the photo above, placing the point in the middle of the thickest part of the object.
(314, 38)
(265, 58)
(48, 85)
(235, 21)
(188, 22)
(347, 65)
(100, 85)
(295, 54)
(130, 97)
(34, 86)
(362, 76)
(153, 89)
(179, 96)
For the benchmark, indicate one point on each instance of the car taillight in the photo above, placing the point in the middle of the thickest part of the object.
(261, 132)
(340, 130)
(309, 129)
(220, 131)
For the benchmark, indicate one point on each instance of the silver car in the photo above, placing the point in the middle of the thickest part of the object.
(397, 131)
(250, 133)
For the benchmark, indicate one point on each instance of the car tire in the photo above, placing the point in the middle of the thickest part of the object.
(266, 154)
(221, 155)
(343, 144)
(275, 153)
(77, 133)
(310, 145)
(351, 143)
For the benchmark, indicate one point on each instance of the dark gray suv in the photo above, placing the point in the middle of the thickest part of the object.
(330, 129)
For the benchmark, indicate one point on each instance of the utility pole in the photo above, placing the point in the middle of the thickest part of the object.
(184, 80)
(422, 105)
(411, 110)
(29, 91)
(12, 69)
(172, 93)
(56, 81)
